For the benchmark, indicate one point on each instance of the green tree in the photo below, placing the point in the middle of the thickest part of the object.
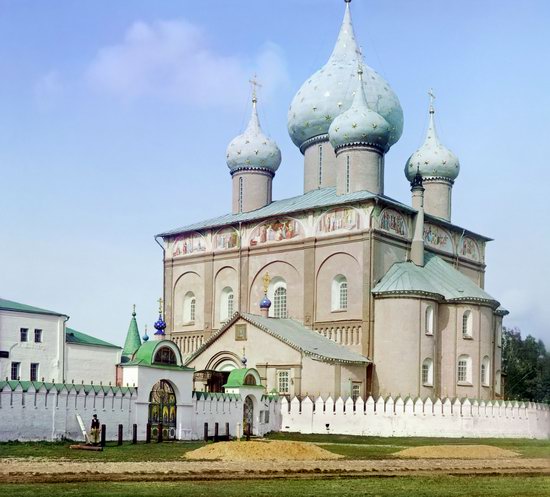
(526, 363)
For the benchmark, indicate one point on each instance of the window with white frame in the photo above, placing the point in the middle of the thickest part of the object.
(429, 320)
(24, 334)
(464, 369)
(467, 323)
(339, 293)
(428, 372)
(277, 293)
(227, 304)
(34, 371)
(283, 381)
(485, 371)
(189, 308)
(15, 370)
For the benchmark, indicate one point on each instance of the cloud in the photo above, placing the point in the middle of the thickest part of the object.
(47, 90)
(171, 60)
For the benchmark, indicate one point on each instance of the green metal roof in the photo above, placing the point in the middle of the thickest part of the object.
(69, 387)
(322, 197)
(145, 354)
(133, 341)
(237, 376)
(79, 338)
(216, 395)
(10, 305)
(436, 278)
(296, 335)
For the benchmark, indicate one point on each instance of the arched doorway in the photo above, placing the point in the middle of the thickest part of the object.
(162, 410)
(248, 415)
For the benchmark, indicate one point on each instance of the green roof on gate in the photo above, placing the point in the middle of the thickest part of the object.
(10, 305)
(145, 355)
(79, 338)
(436, 278)
(237, 376)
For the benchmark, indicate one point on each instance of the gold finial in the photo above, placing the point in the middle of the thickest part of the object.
(266, 280)
(255, 85)
(160, 305)
(432, 98)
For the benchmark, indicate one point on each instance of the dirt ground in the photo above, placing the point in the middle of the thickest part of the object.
(457, 452)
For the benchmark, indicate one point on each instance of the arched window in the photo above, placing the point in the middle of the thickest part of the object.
(467, 324)
(485, 371)
(428, 372)
(189, 308)
(464, 369)
(165, 355)
(429, 320)
(227, 304)
(339, 293)
(278, 295)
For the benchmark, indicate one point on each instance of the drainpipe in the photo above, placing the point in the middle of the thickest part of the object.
(64, 338)
(163, 274)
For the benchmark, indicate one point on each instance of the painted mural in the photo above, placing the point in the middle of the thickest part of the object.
(438, 238)
(189, 244)
(342, 219)
(225, 239)
(393, 222)
(276, 231)
(469, 249)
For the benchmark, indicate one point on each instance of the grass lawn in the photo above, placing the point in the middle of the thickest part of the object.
(356, 447)
(395, 486)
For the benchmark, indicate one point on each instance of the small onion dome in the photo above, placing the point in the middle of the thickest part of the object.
(329, 92)
(160, 326)
(145, 336)
(432, 159)
(359, 125)
(253, 149)
(265, 303)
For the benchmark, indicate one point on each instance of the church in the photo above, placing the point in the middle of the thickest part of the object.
(340, 291)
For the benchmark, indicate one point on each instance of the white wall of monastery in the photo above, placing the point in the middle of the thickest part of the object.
(86, 363)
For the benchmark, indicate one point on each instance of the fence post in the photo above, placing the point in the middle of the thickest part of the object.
(148, 433)
(159, 437)
(227, 430)
(134, 434)
(103, 435)
(119, 434)
(216, 432)
(206, 432)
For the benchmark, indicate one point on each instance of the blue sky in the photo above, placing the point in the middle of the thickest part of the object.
(115, 116)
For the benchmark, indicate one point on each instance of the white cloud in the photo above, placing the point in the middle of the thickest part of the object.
(171, 60)
(47, 90)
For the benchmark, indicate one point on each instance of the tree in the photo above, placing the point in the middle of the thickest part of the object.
(526, 363)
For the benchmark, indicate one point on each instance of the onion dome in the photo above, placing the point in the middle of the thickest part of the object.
(253, 149)
(330, 91)
(145, 336)
(265, 303)
(160, 325)
(359, 125)
(432, 159)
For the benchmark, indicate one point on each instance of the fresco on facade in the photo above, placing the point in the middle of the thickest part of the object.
(393, 222)
(339, 220)
(227, 238)
(276, 231)
(470, 249)
(189, 244)
(438, 238)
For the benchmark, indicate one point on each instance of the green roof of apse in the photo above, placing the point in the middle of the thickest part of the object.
(79, 338)
(10, 305)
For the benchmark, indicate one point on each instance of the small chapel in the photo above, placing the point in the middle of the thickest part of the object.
(340, 291)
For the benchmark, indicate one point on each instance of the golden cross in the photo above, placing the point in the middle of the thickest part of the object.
(432, 98)
(255, 85)
(160, 305)
(266, 280)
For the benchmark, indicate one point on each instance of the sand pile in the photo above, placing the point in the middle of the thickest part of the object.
(456, 452)
(262, 450)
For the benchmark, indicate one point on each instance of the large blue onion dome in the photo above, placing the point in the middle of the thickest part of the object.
(330, 91)
(432, 159)
(360, 125)
(265, 303)
(253, 149)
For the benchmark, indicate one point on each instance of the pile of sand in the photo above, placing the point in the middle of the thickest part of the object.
(262, 450)
(456, 452)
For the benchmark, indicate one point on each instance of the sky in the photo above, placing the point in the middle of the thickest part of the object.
(115, 117)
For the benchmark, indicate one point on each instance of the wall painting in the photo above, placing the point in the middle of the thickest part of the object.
(438, 238)
(225, 239)
(393, 222)
(189, 244)
(341, 219)
(276, 231)
(469, 249)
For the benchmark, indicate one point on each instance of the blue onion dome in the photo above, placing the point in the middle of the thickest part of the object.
(330, 91)
(265, 303)
(145, 336)
(253, 149)
(160, 326)
(432, 159)
(360, 125)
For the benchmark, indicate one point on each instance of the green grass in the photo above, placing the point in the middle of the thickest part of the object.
(340, 487)
(356, 447)
(167, 451)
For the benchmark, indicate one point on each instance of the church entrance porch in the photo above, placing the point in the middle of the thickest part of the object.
(162, 410)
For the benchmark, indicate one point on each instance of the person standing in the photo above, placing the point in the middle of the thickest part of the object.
(94, 432)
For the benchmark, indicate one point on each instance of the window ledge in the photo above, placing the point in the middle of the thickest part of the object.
(429, 333)
(464, 384)
(467, 337)
(427, 385)
(189, 323)
(339, 310)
